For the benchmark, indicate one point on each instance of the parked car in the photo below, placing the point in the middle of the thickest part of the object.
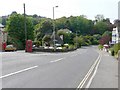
(10, 48)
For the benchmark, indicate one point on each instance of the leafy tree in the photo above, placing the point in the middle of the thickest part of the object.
(46, 40)
(104, 40)
(99, 17)
(97, 36)
(109, 33)
(15, 28)
(61, 23)
(44, 27)
(100, 27)
(67, 35)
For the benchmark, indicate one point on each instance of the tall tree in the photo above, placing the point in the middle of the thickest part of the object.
(15, 28)
(100, 27)
(99, 17)
(44, 27)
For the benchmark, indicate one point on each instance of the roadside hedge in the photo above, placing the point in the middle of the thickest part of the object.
(116, 48)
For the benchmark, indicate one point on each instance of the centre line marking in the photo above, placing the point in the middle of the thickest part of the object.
(57, 60)
(18, 72)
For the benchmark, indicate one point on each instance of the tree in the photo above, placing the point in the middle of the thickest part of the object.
(44, 27)
(46, 40)
(108, 33)
(15, 28)
(67, 35)
(100, 27)
(99, 17)
(117, 22)
(61, 23)
(104, 40)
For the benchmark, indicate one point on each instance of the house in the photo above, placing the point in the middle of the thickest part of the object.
(3, 36)
(115, 36)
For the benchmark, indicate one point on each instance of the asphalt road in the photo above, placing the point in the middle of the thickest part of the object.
(46, 70)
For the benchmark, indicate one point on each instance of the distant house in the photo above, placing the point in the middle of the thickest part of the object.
(3, 36)
(115, 36)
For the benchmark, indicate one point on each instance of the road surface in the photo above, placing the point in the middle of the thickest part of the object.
(47, 70)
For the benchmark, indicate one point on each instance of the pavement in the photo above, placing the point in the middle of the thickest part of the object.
(107, 73)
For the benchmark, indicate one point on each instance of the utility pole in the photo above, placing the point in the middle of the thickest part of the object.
(25, 26)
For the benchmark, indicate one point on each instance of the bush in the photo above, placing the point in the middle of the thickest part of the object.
(71, 47)
(17, 43)
(95, 42)
(116, 48)
(112, 51)
(37, 43)
(100, 47)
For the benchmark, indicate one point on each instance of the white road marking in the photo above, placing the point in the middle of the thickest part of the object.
(89, 73)
(92, 77)
(56, 60)
(18, 72)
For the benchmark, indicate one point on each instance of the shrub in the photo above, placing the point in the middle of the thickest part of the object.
(71, 47)
(100, 47)
(95, 42)
(112, 51)
(16, 42)
(37, 43)
(116, 48)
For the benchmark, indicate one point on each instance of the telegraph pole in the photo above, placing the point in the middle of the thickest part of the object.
(25, 26)
(25, 23)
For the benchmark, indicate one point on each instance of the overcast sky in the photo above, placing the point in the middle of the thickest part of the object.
(90, 8)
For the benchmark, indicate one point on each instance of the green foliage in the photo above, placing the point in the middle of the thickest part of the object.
(97, 36)
(100, 47)
(100, 27)
(116, 48)
(17, 43)
(108, 33)
(37, 43)
(67, 35)
(72, 46)
(80, 24)
(44, 27)
(15, 28)
(99, 17)
(112, 51)
(46, 40)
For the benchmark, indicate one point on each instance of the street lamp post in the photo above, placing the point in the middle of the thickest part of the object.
(54, 27)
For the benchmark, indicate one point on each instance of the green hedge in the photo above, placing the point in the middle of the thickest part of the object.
(114, 49)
